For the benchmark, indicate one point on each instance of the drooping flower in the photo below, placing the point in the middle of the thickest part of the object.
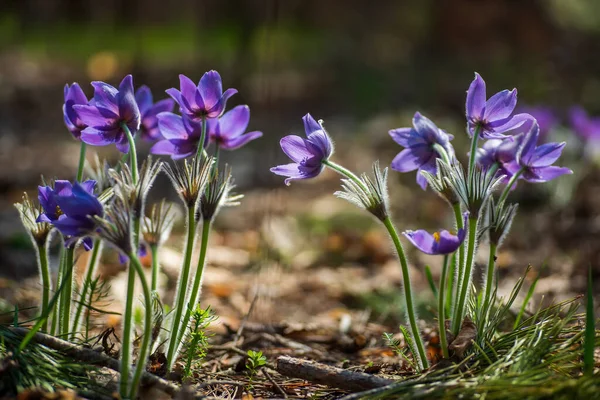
(423, 144)
(493, 116)
(228, 131)
(181, 136)
(545, 117)
(148, 111)
(205, 100)
(74, 96)
(70, 209)
(536, 161)
(441, 242)
(586, 127)
(308, 155)
(108, 112)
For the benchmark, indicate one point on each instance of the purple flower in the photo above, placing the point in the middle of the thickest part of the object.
(307, 154)
(228, 131)
(206, 100)
(536, 161)
(106, 114)
(545, 117)
(492, 116)
(69, 208)
(420, 151)
(442, 242)
(181, 136)
(148, 110)
(585, 127)
(74, 96)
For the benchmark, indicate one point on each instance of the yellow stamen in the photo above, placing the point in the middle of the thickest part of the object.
(436, 236)
(58, 211)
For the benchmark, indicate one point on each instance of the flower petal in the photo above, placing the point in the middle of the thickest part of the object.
(547, 154)
(545, 174)
(143, 97)
(105, 96)
(96, 137)
(475, 98)
(422, 240)
(234, 122)
(320, 144)
(94, 117)
(527, 150)
(210, 89)
(310, 125)
(500, 106)
(412, 158)
(236, 143)
(128, 107)
(295, 148)
(171, 126)
(188, 93)
(406, 137)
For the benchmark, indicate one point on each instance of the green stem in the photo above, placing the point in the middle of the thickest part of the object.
(442, 153)
(510, 184)
(460, 256)
(127, 326)
(154, 252)
(450, 284)
(489, 280)
(81, 162)
(473, 153)
(200, 151)
(181, 294)
(347, 173)
(466, 278)
(421, 357)
(55, 328)
(45, 279)
(196, 289)
(132, 153)
(441, 309)
(145, 347)
(67, 293)
(91, 268)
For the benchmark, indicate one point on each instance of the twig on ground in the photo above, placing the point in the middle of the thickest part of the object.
(329, 376)
(245, 320)
(275, 384)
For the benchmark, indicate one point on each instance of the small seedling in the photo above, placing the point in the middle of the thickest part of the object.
(256, 360)
(197, 344)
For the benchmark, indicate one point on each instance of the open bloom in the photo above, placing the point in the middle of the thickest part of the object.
(108, 112)
(70, 209)
(228, 131)
(74, 96)
(205, 100)
(423, 144)
(586, 127)
(442, 242)
(181, 136)
(307, 154)
(545, 117)
(494, 116)
(148, 111)
(536, 161)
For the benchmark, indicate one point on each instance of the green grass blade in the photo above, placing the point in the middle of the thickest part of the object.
(590, 329)
(525, 302)
(431, 281)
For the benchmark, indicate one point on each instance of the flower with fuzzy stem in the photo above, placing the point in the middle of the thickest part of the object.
(205, 100)
(441, 242)
(181, 136)
(308, 155)
(424, 144)
(189, 179)
(491, 117)
(74, 96)
(108, 116)
(375, 199)
(148, 111)
(228, 131)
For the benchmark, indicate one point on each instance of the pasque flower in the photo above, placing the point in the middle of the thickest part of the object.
(205, 100)
(442, 242)
(228, 131)
(308, 155)
(74, 96)
(494, 115)
(108, 112)
(583, 125)
(423, 144)
(545, 117)
(536, 161)
(148, 111)
(181, 136)
(70, 209)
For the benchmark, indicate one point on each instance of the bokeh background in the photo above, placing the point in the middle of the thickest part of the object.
(363, 67)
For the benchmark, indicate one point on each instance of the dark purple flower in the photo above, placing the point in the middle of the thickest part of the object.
(69, 208)
(493, 116)
(148, 110)
(441, 242)
(228, 131)
(307, 154)
(586, 127)
(206, 100)
(74, 96)
(181, 136)
(536, 161)
(420, 151)
(106, 114)
(545, 117)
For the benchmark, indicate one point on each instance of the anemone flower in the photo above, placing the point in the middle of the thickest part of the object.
(148, 111)
(181, 136)
(423, 144)
(106, 115)
(205, 100)
(545, 116)
(228, 132)
(74, 96)
(441, 242)
(308, 155)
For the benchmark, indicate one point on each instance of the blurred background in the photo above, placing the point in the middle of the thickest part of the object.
(363, 67)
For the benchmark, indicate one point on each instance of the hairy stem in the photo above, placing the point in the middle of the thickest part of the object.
(181, 294)
(489, 280)
(154, 252)
(473, 153)
(347, 173)
(55, 328)
(127, 327)
(463, 294)
(442, 309)
(132, 153)
(91, 268)
(67, 292)
(421, 357)
(459, 257)
(510, 184)
(442, 153)
(42, 252)
(200, 151)
(81, 162)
